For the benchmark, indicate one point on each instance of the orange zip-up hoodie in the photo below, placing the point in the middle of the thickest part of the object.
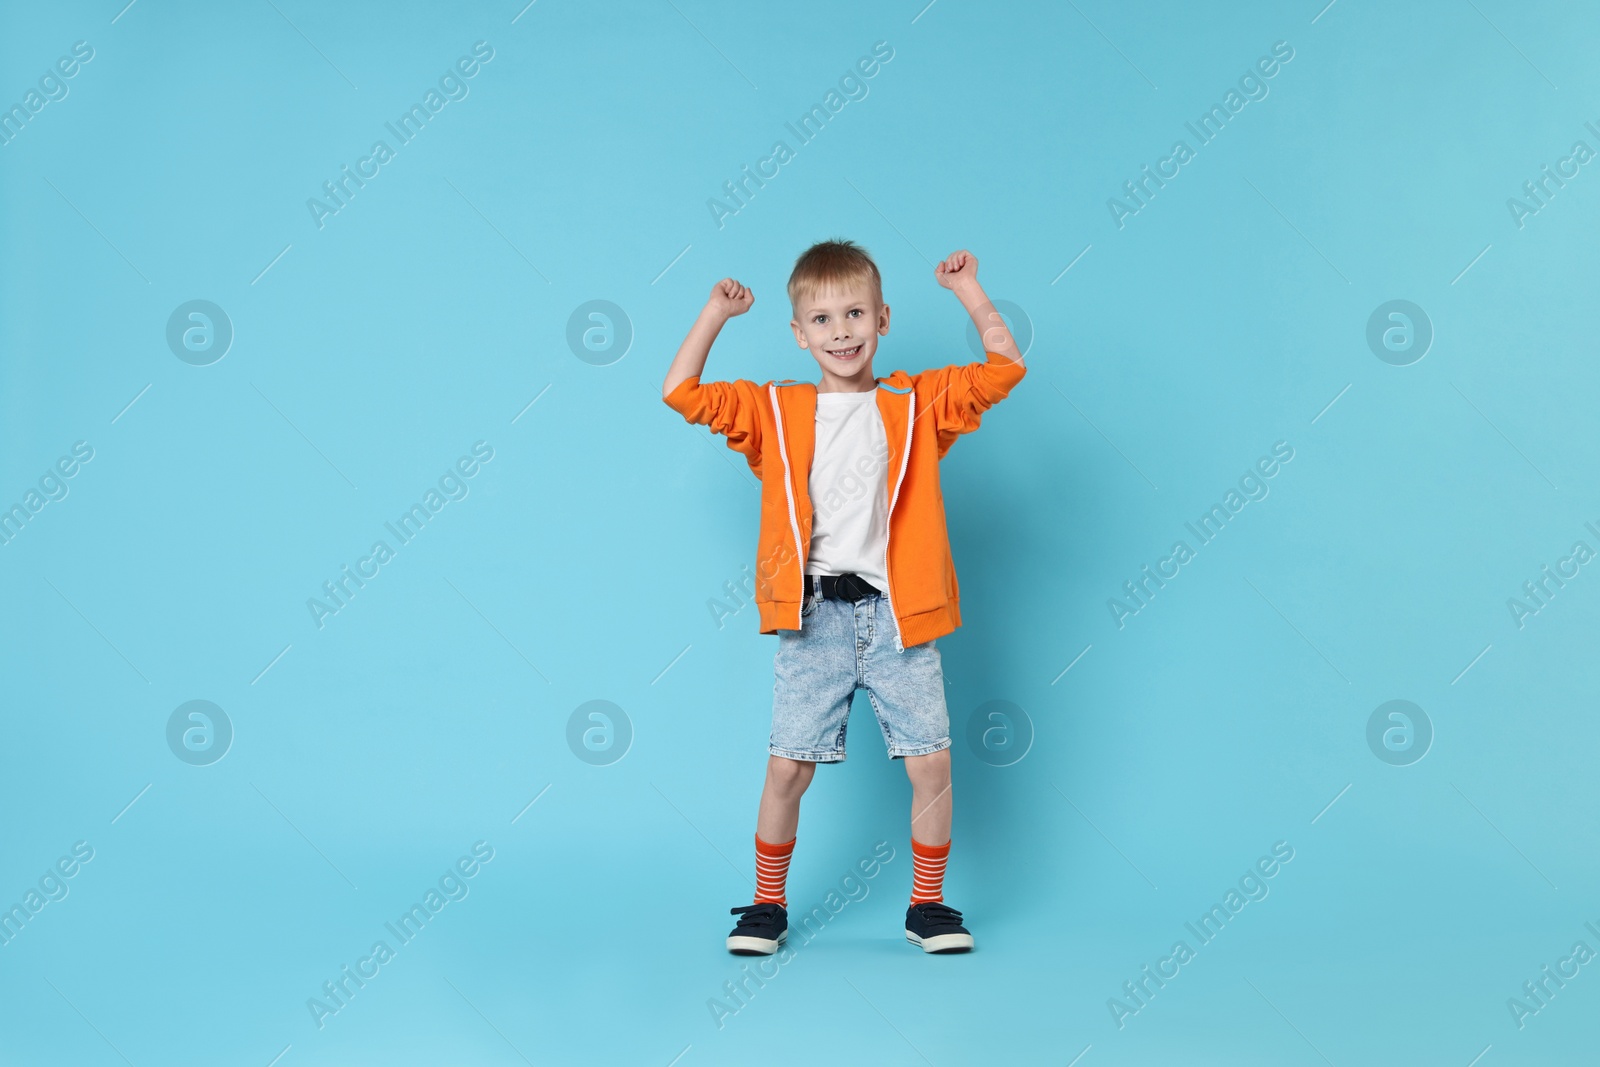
(774, 426)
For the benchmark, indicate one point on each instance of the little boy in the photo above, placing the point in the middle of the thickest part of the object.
(854, 572)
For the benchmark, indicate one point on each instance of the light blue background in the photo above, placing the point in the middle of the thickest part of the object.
(1226, 716)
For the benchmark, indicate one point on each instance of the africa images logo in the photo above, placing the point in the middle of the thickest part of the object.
(453, 485)
(453, 85)
(1205, 129)
(1252, 486)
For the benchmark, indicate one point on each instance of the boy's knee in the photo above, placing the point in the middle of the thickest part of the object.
(930, 770)
(790, 774)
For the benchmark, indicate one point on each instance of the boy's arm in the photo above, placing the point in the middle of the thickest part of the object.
(959, 394)
(729, 408)
(728, 298)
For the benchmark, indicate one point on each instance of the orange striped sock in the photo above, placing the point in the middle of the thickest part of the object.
(927, 871)
(772, 871)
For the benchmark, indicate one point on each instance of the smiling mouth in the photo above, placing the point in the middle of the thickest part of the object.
(845, 353)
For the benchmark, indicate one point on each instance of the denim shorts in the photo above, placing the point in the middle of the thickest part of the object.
(841, 647)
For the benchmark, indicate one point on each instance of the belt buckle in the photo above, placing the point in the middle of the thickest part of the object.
(848, 587)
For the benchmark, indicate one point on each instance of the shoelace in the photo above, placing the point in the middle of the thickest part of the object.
(938, 914)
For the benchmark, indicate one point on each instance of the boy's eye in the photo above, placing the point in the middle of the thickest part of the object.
(820, 319)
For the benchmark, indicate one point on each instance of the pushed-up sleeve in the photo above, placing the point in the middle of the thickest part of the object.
(955, 397)
(732, 409)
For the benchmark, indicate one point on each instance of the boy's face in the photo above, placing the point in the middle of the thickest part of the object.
(840, 327)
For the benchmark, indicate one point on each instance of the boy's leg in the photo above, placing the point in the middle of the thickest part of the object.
(907, 693)
(814, 677)
(776, 823)
(931, 808)
(764, 923)
(930, 923)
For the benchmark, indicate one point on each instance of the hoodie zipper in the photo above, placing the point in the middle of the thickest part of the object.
(911, 418)
(788, 495)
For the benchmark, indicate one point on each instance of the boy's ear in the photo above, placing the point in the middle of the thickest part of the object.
(799, 336)
(883, 321)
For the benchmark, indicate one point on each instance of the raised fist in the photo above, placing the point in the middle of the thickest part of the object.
(730, 298)
(959, 267)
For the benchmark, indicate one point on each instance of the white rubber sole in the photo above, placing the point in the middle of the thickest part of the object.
(942, 942)
(755, 946)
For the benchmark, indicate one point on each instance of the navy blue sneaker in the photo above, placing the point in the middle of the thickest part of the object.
(937, 928)
(761, 929)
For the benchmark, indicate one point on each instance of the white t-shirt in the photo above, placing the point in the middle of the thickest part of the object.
(849, 488)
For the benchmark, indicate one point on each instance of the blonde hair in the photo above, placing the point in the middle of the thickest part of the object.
(828, 264)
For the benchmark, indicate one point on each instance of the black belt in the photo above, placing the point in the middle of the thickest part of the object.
(851, 587)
